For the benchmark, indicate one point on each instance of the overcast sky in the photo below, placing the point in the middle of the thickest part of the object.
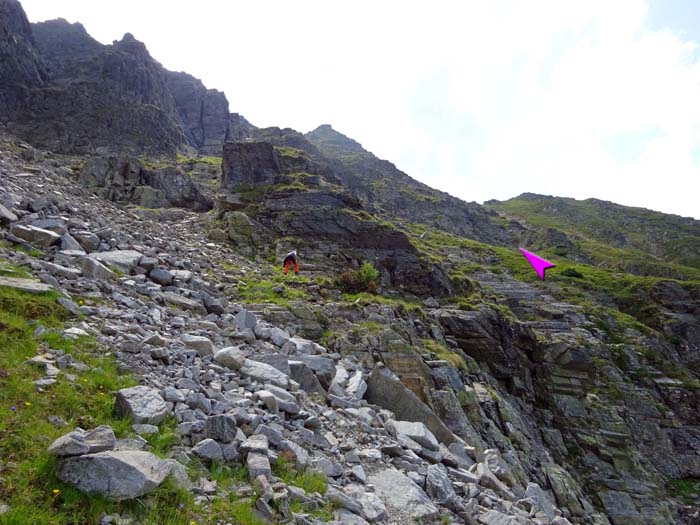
(481, 99)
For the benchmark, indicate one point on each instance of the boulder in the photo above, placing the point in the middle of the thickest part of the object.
(141, 403)
(35, 235)
(116, 475)
(386, 390)
(416, 431)
(79, 442)
(230, 357)
(125, 260)
(264, 373)
(246, 319)
(438, 484)
(222, 428)
(201, 344)
(94, 269)
(400, 494)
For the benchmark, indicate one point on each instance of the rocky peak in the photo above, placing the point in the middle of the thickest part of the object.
(61, 43)
(332, 141)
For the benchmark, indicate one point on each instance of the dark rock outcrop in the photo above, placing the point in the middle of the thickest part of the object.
(127, 180)
(20, 67)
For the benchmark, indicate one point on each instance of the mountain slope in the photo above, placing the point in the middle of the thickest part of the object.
(665, 237)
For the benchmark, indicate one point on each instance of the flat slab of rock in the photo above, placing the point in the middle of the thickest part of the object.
(35, 235)
(141, 403)
(25, 285)
(264, 373)
(125, 260)
(79, 442)
(416, 431)
(116, 475)
(184, 302)
(398, 492)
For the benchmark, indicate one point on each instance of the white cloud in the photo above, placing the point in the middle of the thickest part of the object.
(481, 99)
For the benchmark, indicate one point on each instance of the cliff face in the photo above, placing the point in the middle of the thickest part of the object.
(20, 67)
(64, 91)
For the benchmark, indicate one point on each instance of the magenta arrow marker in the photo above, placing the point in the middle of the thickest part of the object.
(537, 262)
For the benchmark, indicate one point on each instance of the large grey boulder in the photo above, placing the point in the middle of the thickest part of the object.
(264, 373)
(438, 484)
(399, 493)
(88, 240)
(385, 389)
(246, 320)
(184, 302)
(143, 404)
(79, 442)
(323, 367)
(542, 501)
(94, 269)
(116, 475)
(222, 428)
(416, 431)
(6, 215)
(230, 357)
(201, 344)
(125, 260)
(35, 235)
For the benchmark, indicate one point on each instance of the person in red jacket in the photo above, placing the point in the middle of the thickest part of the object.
(290, 259)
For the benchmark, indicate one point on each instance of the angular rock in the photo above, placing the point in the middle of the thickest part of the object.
(116, 475)
(79, 442)
(141, 403)
(246, 319)
(399, 493)
(416, 431)
(94, 269)
(208, 449)
(125, 260)
(222, 428)
(258, 465)
(264, 373)
(35, 235)
(202, 344)
(230, 357)
(437, 484)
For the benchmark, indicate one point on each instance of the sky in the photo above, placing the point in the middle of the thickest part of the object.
(483, 100)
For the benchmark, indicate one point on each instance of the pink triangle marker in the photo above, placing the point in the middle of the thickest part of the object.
(537, 262)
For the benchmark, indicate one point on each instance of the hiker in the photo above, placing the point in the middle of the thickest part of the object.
(290, 259)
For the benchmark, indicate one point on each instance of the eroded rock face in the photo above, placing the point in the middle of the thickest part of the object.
(249, 163)
(124, 179)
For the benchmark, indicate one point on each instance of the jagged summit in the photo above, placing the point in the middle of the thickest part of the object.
(333, 141)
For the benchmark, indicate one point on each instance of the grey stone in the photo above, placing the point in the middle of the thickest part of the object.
(161, 276)
(79, 442)
(208, 449)
(141, 403)
(401, 494)
(116, 475)
(125, 260)
(222, 428)
(437, 484)
(34, 235)
(231, 357)
(201, 344)
(246, 319)
(416, 431)
(264, 373)
(94, 269)
(386, 390)
(258, 465)
(6, 215)
(69, 243)
(87, 240)
(542, 501)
